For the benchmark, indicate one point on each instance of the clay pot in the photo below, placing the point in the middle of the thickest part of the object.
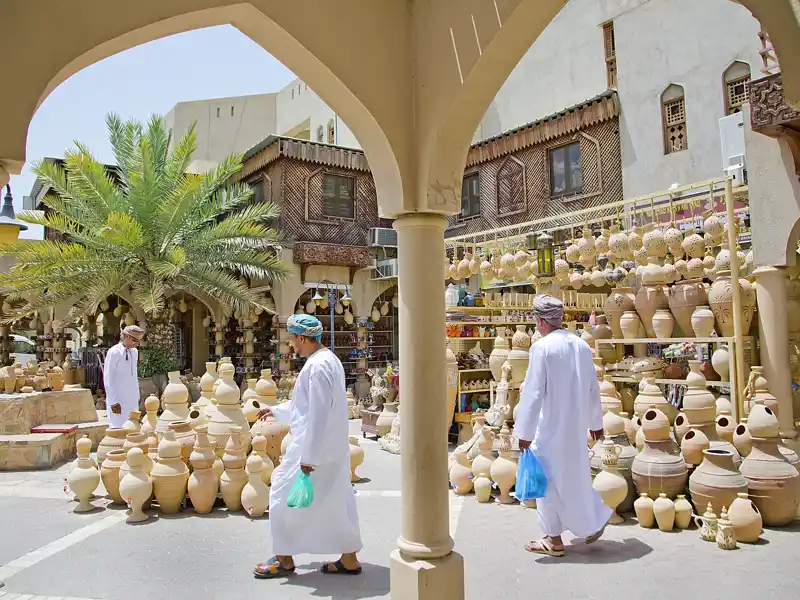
(136, 486)
(619, 301)
(724, 405)
(630, 324)
(746, 519)
(762, 422)
(703, 322)
(664, 513)
(228, 413)
(628, 397)
(461, 474)
(113, 440)
(693, 244)
(609, 399)
(185, 436)
(197, 418)
(141, 441)
(518, 356)
(720, 298)
(386, 418)
(203, 483)
(234, 478)
(266, 388)
(720, 362)
(209, 378)
(609, 483)
(483, 489)
(699, 404)
(644, 511)
(716, 480)
(655, 425)
(150, 421)
(773, 483)
(692, 445)
(651, 396)
(504, 473)
(356, 459)
(260, 449)
(170, 474)
(499, 355)
(83, 479)
(275, 433)
(675, 371)
(683, 512)
(757, 392)
(742, 439)
(109, 471)
(653, 241)
(681, 427)
(684, 297)
(660, 468)
(132, 424)
(726, 427)
(663, 323)
(255, 493)
(649, 299)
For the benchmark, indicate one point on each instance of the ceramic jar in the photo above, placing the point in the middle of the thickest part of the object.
(356, 458)
(135, 486)
(504, 473)
(461, 474)
(681, 427)
(209, 378)
(228, 413)
(150, 421)
(175, 401)
(250, 404)
(113, 440)
(746, 519)
(266, 389)
(620, 300)
(141, 441)
(702, 322)
(720, 298)
(773, 483)
(132, 424)
(742, 439)
(109, 471)
(726, 427)
(653, 241)
(699, 404)
(757, 392)
(663, 323)
(275, 433)
(518, 356)
(683, 512)
(609, 399)
(658, 468)
(609, 483)
(664, 512)
(650, 395)
(169, 475)
(83, 479)
(234, 478)
(643, 507)
(630, 325)
(649, 299)
(720, 360)
(387, 417)
(716, 480)
(255, 493)
(499, 354)
(693, 244)
(203, 483)
(693, 443)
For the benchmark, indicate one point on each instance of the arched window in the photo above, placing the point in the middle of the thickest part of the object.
(320, 133)
(331, 132)
(737, 83)
(673, 111)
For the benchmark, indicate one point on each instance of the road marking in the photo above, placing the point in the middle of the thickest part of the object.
(30, 491)
(31, 558)
(456, 504)
(377, 493)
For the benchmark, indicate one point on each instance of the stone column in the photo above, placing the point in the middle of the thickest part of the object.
(771, 292)
(424, 566)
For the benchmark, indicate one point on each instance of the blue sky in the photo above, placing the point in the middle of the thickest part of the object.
(208, 63)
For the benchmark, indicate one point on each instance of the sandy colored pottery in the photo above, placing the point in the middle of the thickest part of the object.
(631, 325)
(746, 519)
(260, 449)
(774, 484)
(681, 427)
(720, 360)
(175, 402)
(720, 298)
(197, 418)
(185, 436)
(609, 398)
(628, 396)
(141, 441)
(356, 458)
(83, 479)
(113, 440)
(620, 300)
(658, 468)
(109, 471)
(663, 323)
(132, 424)
(703, 322)
(255, 493)
(724, 405)
(762, 422)
(742, 439)
(135, 486)
(650, 395)
(664, 513)
(655, 425)
(699, 404)
(266, 388)
(693, 244)
(275, 433)
(228, 413)
(518, 356)
(499, 354)
(170, 474)
(684, 297)
(643, 507)
(726, 427)
(716, 480)
(683, 512)
(386, 418)
(693, 443)
(483, 489)
(504, 473)
(461, 474)
(649, 299)
(653, 241)
(203, 483)
(234, 478)
(150, 421)
(609, 483)
(209, 378)
(654, 273)
(757, 392)
(248, 397)
(630, 428)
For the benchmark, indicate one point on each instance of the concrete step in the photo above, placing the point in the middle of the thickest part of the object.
(20, 452)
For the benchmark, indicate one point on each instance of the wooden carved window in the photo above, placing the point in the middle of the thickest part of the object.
(262, 190)
(673, 108)
(331, 132)
(737, 86)
(511, 199)
(338, 196)
(611, 53)
(566, 176)
(470, 196)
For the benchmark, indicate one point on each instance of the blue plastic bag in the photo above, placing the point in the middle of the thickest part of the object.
(531, 480)
(302, 492)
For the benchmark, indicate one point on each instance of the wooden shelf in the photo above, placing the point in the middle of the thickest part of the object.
(486, 370)
(667, 341)
(670, 381)
(478, 391)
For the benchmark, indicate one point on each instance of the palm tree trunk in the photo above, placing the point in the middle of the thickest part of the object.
(161, 333)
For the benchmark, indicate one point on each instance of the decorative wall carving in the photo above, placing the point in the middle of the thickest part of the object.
(769, 110)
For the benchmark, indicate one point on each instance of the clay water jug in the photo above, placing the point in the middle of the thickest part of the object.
(266, 389)
(720, 360)
(650, 395)
(275, 433)
(255, 493)
(203, 482)
(663, 323)
(681, 427)
(757, 392)
(234, 478)
(252, 405)
(643, 507)
(136, 440)
(113, 440)
(519, 354)
(175, 402)
(461, 474)
(169, 475)
(609, 483)
(228, 413)
(83, 479)
(699, 404)
(499, 354)
(197, 418)
(664, 512)
(684, 297)
(136, 487)
(260, 449)
(716, 480)
(649, 299)
(504, 468)
(185, 435)
(659, 467)
(132, 424)
(746, 519)
(702, 322)
(774, 484)
(630, 325)
(620, 300)
(726, 427)
(248, 395)
(483, 489)
(356, 459)
(683, 512)
(109, 472)
(742, 439)
(150, 421)
(720, 298)
(692, 445)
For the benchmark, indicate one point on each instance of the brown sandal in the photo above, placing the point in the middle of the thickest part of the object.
(545, 547)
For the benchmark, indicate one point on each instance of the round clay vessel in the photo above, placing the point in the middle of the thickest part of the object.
(630, 325)
(461, 474)
(664, 512)
(720, 298)
(684, 297)
(716, 480)
(504, 473)
(720, 362)
(643, 507)
(655, 425)
(742, 439)
(681, 427)
(692, 445)
(774, 484)
(228, 413)
(699, 405)
(658, 468)
(651, 396)
(275, 433)
(135, 487)
(113, 440)
(758, 392)
(255, 493)
(483, 489)
(663, 323)
(109, 471)
(649, 299)
(614, 428)
(83, 479)
(703, 322)
(185, 436)
(762, 422)
(746, 519)
(619, 301)
(726, 427)
(499, 355)
(169, 474)
(683, 512)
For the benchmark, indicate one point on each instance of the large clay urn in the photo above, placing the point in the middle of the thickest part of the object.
(176, 403)
(83, 479)
(185, 436)
(234, 478)
(228, 413)
(275, 433)
(461, 474)
(170, 474)
(136, 486)
(609, 483)
(620, 299)
(650, 395)
(699, 404)
(659, 467)
(746, 519)
(716, 480)
(720, 298)
(519, 354)
(703, 322)
(684, 297)
(649, 299)
(387, 417)
(203, 482)
(109, 471)
(499, 354)
(631, 325)
(113, 440)
(255, 493)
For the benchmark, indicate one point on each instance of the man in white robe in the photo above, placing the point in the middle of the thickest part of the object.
(318, 420)
(121, 376)
(559, 403)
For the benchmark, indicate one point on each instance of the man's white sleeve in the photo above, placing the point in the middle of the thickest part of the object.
(532, 397)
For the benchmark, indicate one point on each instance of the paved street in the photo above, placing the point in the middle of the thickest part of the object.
(47, 551)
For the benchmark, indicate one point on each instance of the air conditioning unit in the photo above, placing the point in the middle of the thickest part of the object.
(386, 269)
(731, 137)
(382, 237)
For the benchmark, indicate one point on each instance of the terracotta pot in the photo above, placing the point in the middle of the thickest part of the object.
(234, 478)
(499, 355)
(699, 405)
(653, 241)
(651, 396)
(169, 474)
(746, 519)
(742, 439)
(619, 301)
(483, 489)
(655, 425)
(724, 405)
(136, 487)
(684, 297)
(726, 427)
(703, 322)
(141, 441)
(675, 371)
(175, 401)
(83, 479)
(209, 378)
(260, 449)
(113, 440)
(266, 388)
(504, 473)
(255, 493)
(773, 483)
(461, 474)
(609, 483)
(630, 324)
(644, 511)
(649, 299)
(757, 392)
(150, 420)
(716, 480)
(693, 443)
(720, 361)
(228, 413)
(628, 397)
(708, 371)
(663, 323)
(109, 471)
(609, 399)
(720, 298)
(275, 433)
(614, 428)
(664, 512)
(683, 512)
(185, 436)
(386, 418)
(660, 468)
(356, 458)
(203, 483)
(762, 422)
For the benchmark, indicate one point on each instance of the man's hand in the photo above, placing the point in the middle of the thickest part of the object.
(264, 413)
(597, 434)
(524, 444)
(306, 469)
(116, 409)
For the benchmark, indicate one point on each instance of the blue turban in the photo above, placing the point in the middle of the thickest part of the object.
(305, 325)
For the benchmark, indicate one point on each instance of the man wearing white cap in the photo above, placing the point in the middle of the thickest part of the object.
(120, 376)
(560, 402)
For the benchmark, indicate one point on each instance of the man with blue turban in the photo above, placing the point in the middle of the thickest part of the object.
(318, 419)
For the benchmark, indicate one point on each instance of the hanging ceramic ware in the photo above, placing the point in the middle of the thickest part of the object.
(384, 310)
(338, 308)
(573, 254)
(713, 226)
(311, 307)
(586, 244)
(576, 280)
(452, 269)
(693, 244)
(520, 258)
(463, 266)
(474, 264)
(617, 242)
(348, 317)
(486, 269)
(375, 315)
(601, 241)
(635, 240)
(653, 241)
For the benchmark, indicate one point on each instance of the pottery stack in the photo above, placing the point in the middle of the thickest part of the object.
(659, 467)
(205, 403)
(175, 403)
(614, 430)
(228, 413)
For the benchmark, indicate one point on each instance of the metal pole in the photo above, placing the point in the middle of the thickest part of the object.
(738, 378)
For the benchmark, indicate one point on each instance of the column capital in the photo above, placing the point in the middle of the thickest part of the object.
(420, 220)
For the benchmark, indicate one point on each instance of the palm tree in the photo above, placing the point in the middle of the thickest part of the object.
(146, 230)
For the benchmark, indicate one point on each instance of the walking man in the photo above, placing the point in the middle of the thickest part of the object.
(560, 402)
(121, 377)
(318, 419)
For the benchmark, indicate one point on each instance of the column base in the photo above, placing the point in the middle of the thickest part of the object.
(436, 579)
